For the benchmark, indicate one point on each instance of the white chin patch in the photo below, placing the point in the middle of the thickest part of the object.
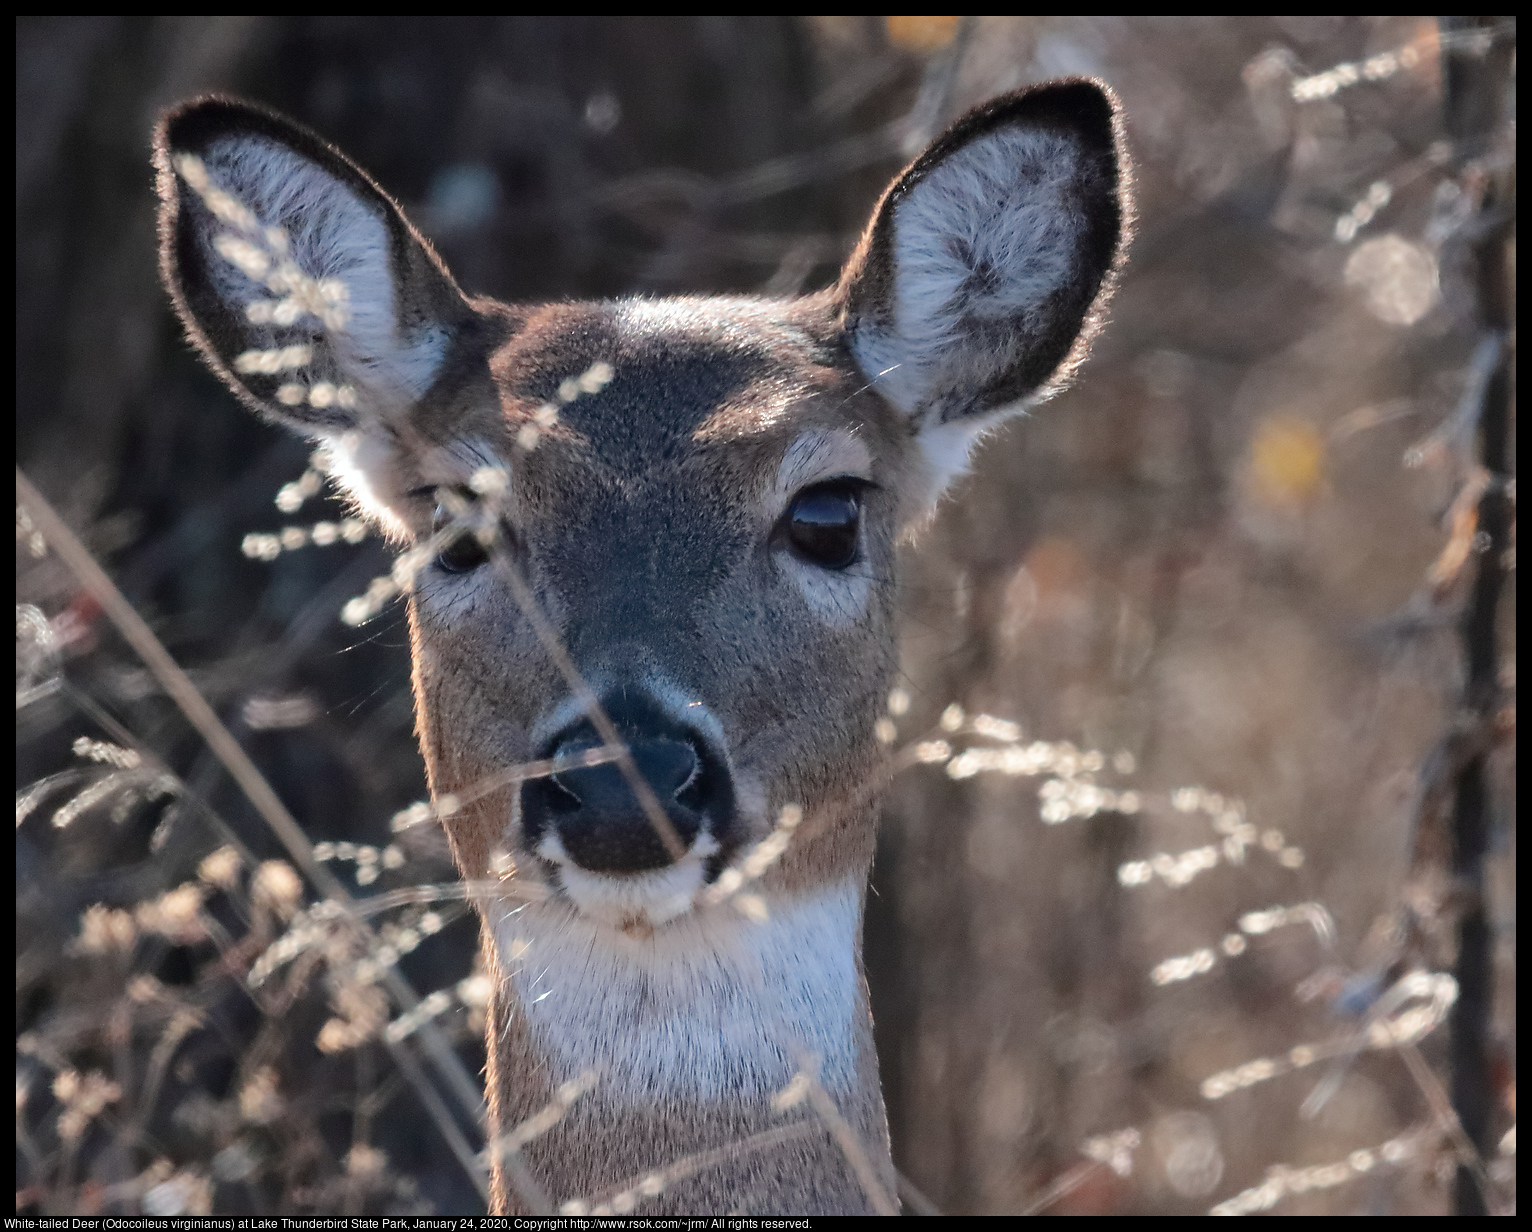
(632, 900)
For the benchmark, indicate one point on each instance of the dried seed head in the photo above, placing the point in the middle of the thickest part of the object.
(104, 930)
(176, 914)
(474, 991)
(793, 1094)
(277, 886)
(107, 753)
(84, 1098)
(365, 1161)
(220, 868)
(186, 1193)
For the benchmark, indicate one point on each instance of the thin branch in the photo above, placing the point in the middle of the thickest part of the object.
(851, 1147)
(1064, 1186)
(1430, 1085)
(250, 780)
(912, 1197)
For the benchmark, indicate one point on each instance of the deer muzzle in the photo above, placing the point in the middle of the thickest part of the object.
(595, 813)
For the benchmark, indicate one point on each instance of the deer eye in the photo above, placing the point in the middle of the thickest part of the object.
(823, 522)
(463, 553)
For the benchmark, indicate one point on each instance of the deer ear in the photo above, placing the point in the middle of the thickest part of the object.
(301, 282)
(980, 278)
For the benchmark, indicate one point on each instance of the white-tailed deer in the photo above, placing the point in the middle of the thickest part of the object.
(667, 526)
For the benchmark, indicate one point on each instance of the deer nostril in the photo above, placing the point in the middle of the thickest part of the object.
(668, 766)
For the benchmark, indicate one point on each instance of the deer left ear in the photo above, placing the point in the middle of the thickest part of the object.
(303, 285)
(981, 277)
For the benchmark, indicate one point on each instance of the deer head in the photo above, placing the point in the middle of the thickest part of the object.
(654, 555)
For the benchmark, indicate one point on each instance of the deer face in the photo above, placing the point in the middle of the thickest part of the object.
(668, 526)
(710, 536)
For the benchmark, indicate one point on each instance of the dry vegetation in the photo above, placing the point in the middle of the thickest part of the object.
(1205, 674)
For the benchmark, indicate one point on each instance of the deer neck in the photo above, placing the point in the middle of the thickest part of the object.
(688, 1032)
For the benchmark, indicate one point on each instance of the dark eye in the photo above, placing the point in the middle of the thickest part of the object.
(823, 522)
(462, 554)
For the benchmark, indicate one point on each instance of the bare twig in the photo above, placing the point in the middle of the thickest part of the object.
(1430, 1085)
(913, 1198)
(850, 1146)
(1063, 1186)
(250, 780)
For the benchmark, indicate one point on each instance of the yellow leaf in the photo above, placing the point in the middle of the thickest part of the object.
(921, 34)
(1287, 461)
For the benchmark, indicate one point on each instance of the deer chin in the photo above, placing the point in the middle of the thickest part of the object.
(632, 903)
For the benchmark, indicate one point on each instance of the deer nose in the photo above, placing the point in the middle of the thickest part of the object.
(668, 766)
(596, 814)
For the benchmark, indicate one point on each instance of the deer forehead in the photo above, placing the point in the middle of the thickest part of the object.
(712, 394)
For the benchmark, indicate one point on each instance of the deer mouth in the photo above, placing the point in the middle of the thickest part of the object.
(635, 903)
(629, 838)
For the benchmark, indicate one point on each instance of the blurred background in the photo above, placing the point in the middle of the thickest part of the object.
(1207, 703)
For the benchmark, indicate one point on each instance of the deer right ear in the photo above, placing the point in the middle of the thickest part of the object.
(298, 278)
(979, 280)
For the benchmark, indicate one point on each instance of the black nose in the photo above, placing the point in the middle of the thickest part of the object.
(594, 810)
(668, 766)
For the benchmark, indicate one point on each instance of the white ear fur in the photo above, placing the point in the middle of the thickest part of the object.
(979, 272)
(365, 464)
(337, 242)
(947, 451)
(987, 236)
(302, 285)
